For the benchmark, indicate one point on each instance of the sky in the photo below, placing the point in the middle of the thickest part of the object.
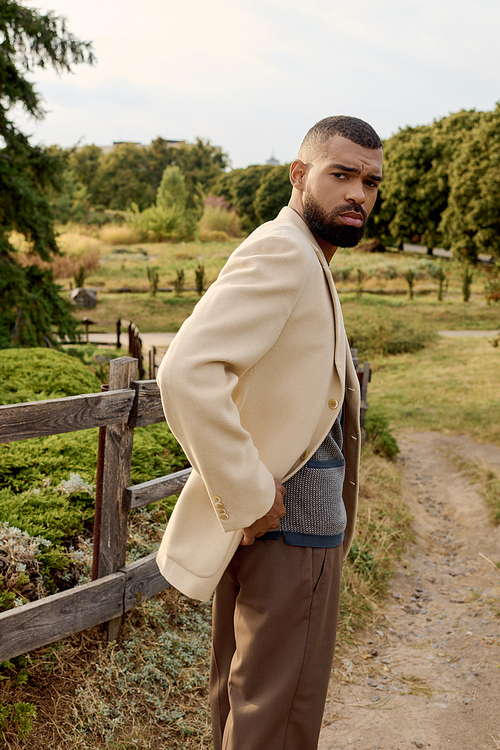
(252, 76)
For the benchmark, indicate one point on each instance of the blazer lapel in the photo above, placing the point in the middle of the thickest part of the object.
(289, 215)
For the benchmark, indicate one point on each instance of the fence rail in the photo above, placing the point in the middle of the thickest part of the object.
(128, 404)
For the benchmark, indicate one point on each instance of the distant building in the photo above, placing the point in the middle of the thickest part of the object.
(273, 162)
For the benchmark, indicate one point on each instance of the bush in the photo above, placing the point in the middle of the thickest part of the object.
(119, 235)
(492, 285)
(47, 484)
(169, 218)
(214, 236)
(373, 332)
(217, 217)
(379, 434)
(39, 373)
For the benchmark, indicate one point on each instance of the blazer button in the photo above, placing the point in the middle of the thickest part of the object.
(304, 455)
(217, 499)
(333, 403)
(224, 516)
(222, 512)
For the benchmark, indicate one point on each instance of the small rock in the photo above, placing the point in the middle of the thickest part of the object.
(419, 743)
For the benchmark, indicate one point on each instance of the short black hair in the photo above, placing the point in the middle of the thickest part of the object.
(355, 130)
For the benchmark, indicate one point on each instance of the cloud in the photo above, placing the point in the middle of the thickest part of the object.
(254, 75)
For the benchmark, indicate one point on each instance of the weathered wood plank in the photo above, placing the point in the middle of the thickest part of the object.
(116, 476)
(156, 489)
(58, 415)
(117, 462)
(47, 620)
(143, 580)
(147, 408)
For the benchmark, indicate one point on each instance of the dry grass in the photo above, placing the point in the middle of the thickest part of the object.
(219, 219)
(143, 692)
(488, 481)
(77, 251)
(119, 235)
(383, 529)
(149, 690)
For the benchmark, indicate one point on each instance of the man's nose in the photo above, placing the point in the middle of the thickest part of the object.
(356, 192)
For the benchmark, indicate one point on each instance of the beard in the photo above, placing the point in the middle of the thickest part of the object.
(325, 226)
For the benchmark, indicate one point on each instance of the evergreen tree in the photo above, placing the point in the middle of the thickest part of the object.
(30, 305)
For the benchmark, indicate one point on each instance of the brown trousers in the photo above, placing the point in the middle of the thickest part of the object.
(274, 623)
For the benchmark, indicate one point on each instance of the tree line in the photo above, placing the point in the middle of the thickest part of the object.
(130, 175)
(440, 186)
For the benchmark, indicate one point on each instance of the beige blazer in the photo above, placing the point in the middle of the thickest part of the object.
(251, 385)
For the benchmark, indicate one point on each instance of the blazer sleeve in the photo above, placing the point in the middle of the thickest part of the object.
(231, 328)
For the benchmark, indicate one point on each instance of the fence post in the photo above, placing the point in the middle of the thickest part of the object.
(365, 379)
(118, 333)
(116, 476)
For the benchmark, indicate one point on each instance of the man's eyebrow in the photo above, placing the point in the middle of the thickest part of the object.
(343, 168)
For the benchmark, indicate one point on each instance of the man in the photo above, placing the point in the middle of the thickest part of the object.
(260, 390)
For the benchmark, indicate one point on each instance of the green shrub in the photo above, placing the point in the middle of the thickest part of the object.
(436, 271)
(16, 718)
(218, 217)
(46, 483)
(179, 281)
(154, 279)
(40, 373)
(95, 358)
(492, 285)
(169, 218)
(467, 278)
(379, 433)
(374, 332)
(200, 278)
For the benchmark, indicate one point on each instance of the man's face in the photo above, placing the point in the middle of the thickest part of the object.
(340, 191)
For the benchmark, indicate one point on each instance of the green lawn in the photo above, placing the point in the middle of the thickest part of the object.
(452, 385)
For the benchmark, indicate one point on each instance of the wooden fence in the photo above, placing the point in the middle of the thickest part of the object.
(128, 403)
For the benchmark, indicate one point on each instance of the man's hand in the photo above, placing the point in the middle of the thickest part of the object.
(270, 521)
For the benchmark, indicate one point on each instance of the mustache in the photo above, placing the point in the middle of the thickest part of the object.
(357, 208)
(351, 207)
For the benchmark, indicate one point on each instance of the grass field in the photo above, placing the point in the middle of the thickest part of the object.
(380, 276)
(452, 385)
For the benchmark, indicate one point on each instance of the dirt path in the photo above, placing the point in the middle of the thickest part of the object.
(428, 675)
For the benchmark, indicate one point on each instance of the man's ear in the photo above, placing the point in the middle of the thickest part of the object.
(298, 174)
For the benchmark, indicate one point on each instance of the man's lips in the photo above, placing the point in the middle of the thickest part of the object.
(352, 219)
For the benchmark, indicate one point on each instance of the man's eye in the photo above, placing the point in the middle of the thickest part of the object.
(340, 175)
